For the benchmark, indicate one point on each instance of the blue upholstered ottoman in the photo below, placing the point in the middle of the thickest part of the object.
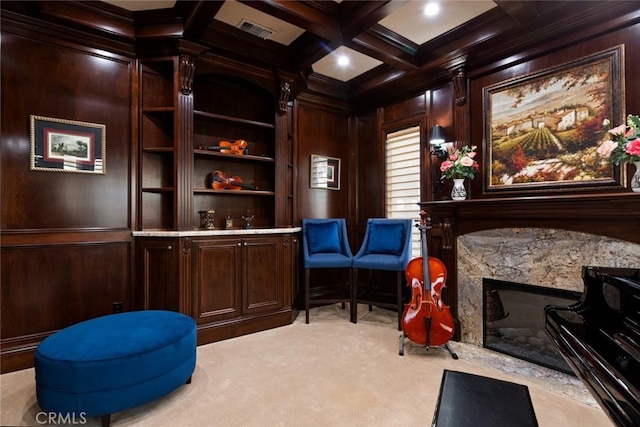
(115, 362)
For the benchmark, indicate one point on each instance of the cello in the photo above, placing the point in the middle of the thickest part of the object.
(426, 320)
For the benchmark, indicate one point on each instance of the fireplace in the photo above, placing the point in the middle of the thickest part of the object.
(513, 321)
(542, 240)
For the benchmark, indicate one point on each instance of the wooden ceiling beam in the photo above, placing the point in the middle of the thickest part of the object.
(521, 11)
(197, 16)
(351, 31)
(355, 33)
(362, 33)
(314, 49)
(369, 44)
(97, 16)
(367, 15)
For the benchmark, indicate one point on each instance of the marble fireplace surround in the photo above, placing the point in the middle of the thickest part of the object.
(540, 241)
(549, 258)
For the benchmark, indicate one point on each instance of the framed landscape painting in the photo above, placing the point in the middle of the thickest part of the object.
(60, 145)
(542, 130)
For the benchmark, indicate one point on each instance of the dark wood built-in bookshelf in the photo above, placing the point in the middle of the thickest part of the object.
(235, 281)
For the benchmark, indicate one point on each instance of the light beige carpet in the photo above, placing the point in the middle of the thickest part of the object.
(327, 373)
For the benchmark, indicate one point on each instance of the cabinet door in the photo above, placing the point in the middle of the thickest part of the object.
(158, 274)
(263, 281)
(297, 294)
(217, 274)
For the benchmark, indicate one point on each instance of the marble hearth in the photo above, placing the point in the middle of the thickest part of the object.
(536, 256)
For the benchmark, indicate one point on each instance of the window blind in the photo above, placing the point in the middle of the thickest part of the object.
(403, 178)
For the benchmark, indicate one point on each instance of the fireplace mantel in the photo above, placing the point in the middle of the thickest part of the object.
(614, 215)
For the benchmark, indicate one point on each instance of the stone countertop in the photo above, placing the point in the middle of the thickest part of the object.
(216, 232)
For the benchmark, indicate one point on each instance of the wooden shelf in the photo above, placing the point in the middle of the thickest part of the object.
(157, 189)
(244, 157)
(233, 119)
(160, 150)
(235, 192)
(158, 110)
(615, 215)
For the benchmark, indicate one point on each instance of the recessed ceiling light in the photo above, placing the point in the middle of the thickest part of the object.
(343, 60)
(431, 9)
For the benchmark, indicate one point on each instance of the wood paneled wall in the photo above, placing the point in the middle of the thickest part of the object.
(325, 132)
(64, 82)
(370, 168)
(66, 237)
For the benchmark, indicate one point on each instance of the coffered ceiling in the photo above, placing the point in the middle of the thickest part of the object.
(392, 46)
(405, 20)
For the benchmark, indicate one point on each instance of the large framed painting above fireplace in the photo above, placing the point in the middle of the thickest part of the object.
(541, 130)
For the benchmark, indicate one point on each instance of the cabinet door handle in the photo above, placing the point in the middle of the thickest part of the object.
(169, 247)
(239, 244)
(244, 243)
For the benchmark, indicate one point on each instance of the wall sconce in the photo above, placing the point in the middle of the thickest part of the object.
(437, 142)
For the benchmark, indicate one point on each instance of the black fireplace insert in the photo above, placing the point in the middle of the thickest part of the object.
(514, 321)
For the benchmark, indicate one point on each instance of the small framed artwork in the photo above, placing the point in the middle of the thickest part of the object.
(325, 172)
(542, 130)
(59, 145)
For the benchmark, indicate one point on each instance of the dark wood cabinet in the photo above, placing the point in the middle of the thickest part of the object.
(157, 274)
(232, 282)
(216, 273)
(264, 277)
(238, 276)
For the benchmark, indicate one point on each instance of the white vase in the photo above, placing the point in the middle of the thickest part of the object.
(458, 192)
(635, 179)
